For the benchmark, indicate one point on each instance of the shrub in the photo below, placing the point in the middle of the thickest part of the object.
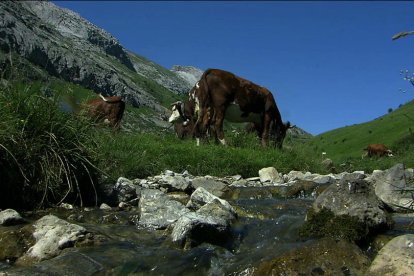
(44, 152)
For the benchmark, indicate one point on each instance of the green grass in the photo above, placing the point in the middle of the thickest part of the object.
(141, 155)
(345, 145)
(45, 154)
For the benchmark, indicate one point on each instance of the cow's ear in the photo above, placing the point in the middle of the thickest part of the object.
(176, 103)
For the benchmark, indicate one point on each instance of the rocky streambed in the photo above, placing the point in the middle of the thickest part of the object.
(175, 223)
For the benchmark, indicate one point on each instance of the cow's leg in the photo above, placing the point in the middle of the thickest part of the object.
(218, 125)
(201, 125)
(266, 129)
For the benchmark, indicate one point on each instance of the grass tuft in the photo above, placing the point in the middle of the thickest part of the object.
(44, 152)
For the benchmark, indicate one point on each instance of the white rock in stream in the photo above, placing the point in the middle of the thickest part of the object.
(53, 234)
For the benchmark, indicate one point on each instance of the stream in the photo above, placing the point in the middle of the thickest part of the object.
(266, 228)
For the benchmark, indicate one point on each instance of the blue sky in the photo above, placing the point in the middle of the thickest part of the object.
(328, 64)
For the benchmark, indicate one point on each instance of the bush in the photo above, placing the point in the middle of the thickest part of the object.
(44, 152)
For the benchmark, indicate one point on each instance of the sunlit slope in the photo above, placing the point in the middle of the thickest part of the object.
(351, 140)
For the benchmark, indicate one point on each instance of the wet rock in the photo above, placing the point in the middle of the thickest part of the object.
(10, 217)
(215, 187)
(105, 206)
(201, 197)
(157, 210)
(125, 190)
(179, 196)
(354, 198)
(294, 175)
(395, 258)
(394, 190)
(70, 263)
(175, 183)
(210, 223)
(52, 235)
(270, 174)
(323, 257)
(12, 245)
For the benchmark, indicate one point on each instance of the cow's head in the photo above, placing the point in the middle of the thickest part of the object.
(279, 131)
(177, 112)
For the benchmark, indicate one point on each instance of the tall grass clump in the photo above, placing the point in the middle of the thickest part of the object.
(44, 152)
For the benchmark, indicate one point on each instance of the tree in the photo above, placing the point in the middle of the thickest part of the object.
(401, 34)
(407, 76)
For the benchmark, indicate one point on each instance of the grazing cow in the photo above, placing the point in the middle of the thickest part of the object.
(222, 95)
(378, 150)
(183, 118)
(108, 110)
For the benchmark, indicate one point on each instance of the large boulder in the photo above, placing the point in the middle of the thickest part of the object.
(395, 258)
(201, 196)
(353, 197)
(393, 188)
(157, 210)
(323, 257)
(53, 234)
(211, 223)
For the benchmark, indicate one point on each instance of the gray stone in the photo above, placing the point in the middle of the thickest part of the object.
(215, 187)
(10, 217)
(125, 190)
(211, 223)
(270, 174)
(395, 258)
(354, 198)
(393, 189)
(175, 183)
(157, 210)
(105, 206)
(201, 196)
(52, 235)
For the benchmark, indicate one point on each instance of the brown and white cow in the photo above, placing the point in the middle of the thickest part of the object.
(108, 110)
(182, 117)
(222, 95)
(378, 150)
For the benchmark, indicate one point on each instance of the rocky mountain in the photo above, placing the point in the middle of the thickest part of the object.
(188, 73)
(45, 40)
(69, 47)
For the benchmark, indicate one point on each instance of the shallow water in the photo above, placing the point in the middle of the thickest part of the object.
(266, 228)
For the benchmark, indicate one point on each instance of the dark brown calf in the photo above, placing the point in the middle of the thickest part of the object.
(108, 110)
(377, 150)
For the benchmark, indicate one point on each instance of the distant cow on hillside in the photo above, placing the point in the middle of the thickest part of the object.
(377, 150)
(108, 110)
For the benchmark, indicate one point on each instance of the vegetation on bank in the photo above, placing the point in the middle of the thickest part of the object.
(395, 130)
(48, 154)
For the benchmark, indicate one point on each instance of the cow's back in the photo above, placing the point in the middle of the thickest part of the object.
(112, 109)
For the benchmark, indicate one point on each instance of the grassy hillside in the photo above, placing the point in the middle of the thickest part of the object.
(392, 129)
